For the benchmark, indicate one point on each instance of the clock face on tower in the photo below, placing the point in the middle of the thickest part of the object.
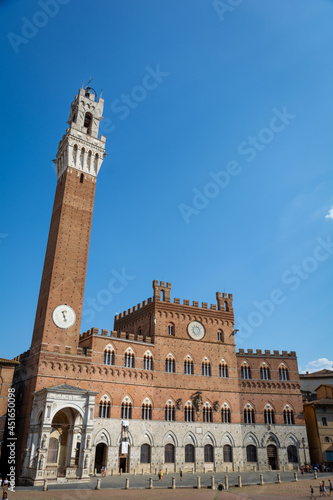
(196, 330)
(64, 316)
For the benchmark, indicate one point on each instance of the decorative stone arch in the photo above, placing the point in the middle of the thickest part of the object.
(270, 438)
(110, 346)
(227, 439)
(146, 438)
(190, 438)
(170, 438)
(127, 399)
(292, 440)
(209, 438)
(64, 406)
(102, 436)
(250, 438)
(130, 350)
(249, 405)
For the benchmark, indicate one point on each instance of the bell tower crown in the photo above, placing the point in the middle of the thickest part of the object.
(80, 148)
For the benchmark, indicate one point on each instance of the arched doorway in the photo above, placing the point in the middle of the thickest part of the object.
(62, 452)
(272, 456)
(124, 457)
(100, 457)
(57, 450)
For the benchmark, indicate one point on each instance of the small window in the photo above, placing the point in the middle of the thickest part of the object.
(324, 421)
(327, 439)
(88, 122)
(189, 453)
(81, 178)
(145, 454)
(251, 453)
(220, 336)
(292, 454)
(227, 453)
(171, 330)
(209, 453)
(169, 454)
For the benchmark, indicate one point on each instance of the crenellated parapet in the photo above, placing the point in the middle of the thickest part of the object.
(259, 352)
(115, 335)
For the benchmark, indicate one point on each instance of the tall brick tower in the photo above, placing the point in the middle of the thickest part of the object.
(59, 309)
(79, 158)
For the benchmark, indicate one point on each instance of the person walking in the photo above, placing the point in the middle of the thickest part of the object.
(330, 486)
(181, 474)
(312, 492)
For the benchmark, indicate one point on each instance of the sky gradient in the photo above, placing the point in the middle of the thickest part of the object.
(218, 125)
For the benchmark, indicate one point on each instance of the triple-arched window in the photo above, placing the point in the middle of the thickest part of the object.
(205, 368)
(129, 359)
(126, 410)
(225, 415)
(207, 414)
(283, 372)
(146, 410)
(188, 366)
(264, 372)
(170, 365)
(108, 358)
(269, 415)
(147, 361)
(245, 371)
(223, 369)
(104, 410)
(248, 414)
(189, 412)
(288, 415)
(169, 412)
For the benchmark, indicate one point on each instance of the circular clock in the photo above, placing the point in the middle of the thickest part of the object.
(196, 330)
(64, 316)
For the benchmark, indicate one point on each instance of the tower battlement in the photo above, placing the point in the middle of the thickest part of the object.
(162, 295)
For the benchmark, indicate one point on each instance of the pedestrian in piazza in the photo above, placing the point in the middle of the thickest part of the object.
(312, 492)
(5, 485)
(181, 474)
(330, 486)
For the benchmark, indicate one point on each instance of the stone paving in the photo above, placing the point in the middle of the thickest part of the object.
(114, 487)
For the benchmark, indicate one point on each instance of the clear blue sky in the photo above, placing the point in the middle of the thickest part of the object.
(217, 179)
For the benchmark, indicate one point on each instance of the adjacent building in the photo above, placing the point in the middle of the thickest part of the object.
(319, 424)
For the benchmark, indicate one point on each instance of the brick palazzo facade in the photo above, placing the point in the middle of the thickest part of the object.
(165, 388)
